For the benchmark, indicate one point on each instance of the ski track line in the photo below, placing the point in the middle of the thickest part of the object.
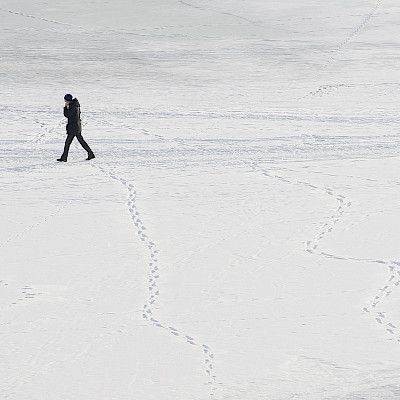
(130, 127)
(153, 277)
(358, 178)
(18, 13)
(105, 30)
(312, 247)
(22, 233)
(218, 12)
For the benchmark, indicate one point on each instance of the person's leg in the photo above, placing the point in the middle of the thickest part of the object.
(81, 140)
(68, 142)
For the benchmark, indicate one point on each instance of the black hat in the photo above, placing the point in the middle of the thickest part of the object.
(68, 97)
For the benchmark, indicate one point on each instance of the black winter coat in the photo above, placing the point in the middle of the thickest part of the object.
(73, 113)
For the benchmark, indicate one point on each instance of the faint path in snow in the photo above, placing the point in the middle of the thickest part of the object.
(126, 126)
(31, 227)
(18, 13)
(107, 30)
(354, 32)
(326, 89)
(333, 88)
(37, 139)
(271, 115)
(46, 130)
(312, 246)
(218, 12)
(153, 278)
(27, 292)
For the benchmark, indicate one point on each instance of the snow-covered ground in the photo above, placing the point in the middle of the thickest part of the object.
(236, 236)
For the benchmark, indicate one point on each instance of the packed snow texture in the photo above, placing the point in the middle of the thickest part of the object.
(236, 236)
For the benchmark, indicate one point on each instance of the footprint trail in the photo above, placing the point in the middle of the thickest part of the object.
(312, 246)
(148, 312)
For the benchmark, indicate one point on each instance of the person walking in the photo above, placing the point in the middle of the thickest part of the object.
(72, 111)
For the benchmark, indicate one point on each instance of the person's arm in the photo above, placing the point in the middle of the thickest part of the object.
(66, 112)
(73, 113)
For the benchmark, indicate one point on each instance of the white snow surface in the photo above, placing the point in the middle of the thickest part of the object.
(237, 235)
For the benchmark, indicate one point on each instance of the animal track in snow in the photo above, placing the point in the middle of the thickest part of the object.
(355, 31)
(384, 292)
(18, 13)
(26, 293)
(312, 246)
(326, 89)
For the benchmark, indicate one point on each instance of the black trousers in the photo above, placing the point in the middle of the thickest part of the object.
(68, 141)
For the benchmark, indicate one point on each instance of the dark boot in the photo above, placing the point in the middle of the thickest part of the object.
(90, 156)
(61, 159)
